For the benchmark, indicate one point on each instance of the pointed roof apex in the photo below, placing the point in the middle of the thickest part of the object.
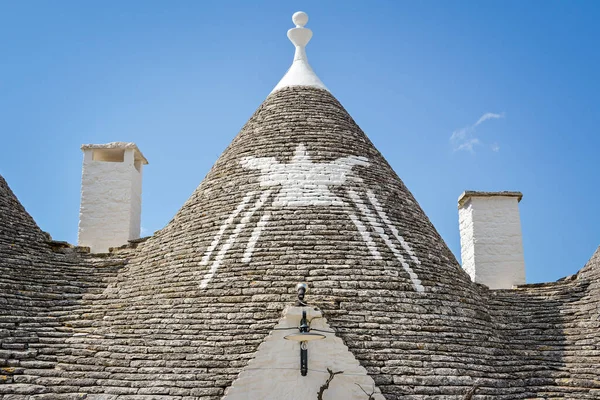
(300, 73)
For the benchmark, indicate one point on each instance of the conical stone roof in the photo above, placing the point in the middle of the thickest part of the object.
(23, 255)
(302, 189)
(16, 225)
(41, 286)
(301, 194)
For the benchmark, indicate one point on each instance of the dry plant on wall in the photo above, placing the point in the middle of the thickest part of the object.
(327, 382)
(370, 395)
(332, 375)
(469, 395)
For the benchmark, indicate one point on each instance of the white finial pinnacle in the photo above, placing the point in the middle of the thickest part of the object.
(300, 73)
(300, 19)
(300, 35)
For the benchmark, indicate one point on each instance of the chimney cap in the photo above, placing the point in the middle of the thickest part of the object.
(118, 145)
(467, 194)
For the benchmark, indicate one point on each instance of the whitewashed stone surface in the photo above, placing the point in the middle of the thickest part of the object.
(273, 373)
(111, 201)
(491, 240)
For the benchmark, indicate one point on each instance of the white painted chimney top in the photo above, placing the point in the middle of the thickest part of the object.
(490, 238)
(300, 73)
(118, 146)
(468, 194)
(111, 195)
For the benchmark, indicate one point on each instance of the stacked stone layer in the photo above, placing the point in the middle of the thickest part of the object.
(42, 286)
(158, 328)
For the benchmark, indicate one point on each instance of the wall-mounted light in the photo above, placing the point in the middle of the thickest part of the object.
(302, 288)
(304, 335)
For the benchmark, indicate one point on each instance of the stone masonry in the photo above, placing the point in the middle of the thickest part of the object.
(182, 314)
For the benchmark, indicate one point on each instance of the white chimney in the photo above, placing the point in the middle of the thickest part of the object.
(490, 238)
(111, 195)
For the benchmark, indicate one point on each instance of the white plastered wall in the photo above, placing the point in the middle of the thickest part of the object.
(111, 193)
(274, 372)
(491, 240)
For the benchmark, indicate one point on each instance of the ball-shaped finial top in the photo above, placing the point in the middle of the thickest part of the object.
(300, 19)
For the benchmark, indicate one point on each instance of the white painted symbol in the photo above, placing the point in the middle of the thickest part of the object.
(304, 183)
(368, 214)
(221, 255)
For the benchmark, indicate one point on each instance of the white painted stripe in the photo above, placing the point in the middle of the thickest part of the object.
(256, 232)
(224, 227)
(387, 221)
(368, 214)
(362, 229)
(231, 239)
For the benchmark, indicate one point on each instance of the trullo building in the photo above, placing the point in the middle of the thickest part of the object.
(209, 307)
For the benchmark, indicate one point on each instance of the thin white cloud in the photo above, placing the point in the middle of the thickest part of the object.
(468, 145)
(466, 138)
(459, 134)
(487, 116)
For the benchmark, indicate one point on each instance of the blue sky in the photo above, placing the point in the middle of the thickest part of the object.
(495, 95)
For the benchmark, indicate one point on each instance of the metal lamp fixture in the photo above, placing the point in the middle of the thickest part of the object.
(302, 288)
(304, 334)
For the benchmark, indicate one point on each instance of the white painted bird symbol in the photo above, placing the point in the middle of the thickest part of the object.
(303, 183)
